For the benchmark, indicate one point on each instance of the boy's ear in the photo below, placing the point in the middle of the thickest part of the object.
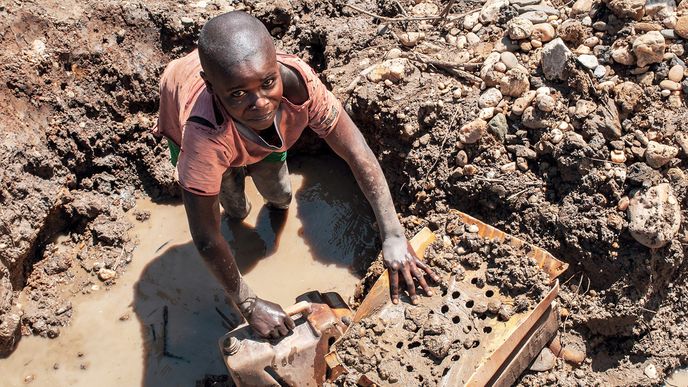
(208, 85)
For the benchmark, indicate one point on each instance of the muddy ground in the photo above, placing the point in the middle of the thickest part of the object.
(592, 168)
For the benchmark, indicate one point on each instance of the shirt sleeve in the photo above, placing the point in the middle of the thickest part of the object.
(202, 161)
(168, 117)
(324, 109)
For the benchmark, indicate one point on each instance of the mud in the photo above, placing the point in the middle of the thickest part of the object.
(81, 96)
(483, 284)
(115, 334)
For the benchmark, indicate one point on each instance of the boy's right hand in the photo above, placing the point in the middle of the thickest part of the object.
(269, 320)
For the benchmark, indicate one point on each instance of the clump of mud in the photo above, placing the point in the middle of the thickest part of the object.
(482, 281)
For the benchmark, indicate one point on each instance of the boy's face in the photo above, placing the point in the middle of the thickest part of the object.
(251, 91)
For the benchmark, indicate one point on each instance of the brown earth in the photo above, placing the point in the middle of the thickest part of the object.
(81, 96)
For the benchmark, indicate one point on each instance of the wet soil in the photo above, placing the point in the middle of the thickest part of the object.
(116, 333)
(81, 96)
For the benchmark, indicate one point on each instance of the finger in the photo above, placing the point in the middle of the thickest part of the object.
(419, 274)
(394, 285)
(410, 285)
(283, 331)
(428, 270)
(289, 323)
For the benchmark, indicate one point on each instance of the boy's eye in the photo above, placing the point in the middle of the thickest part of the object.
(269, 82)
(238, 94)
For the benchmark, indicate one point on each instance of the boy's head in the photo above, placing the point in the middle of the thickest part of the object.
(240, 67)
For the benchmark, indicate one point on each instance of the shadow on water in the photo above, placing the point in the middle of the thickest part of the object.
(181, 307)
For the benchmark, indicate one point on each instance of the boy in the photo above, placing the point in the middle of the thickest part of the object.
(235, 106)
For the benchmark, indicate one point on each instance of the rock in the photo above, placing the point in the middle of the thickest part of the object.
(681, 139)
(618, 156)
(106, 274)
(391, 69)
(555, 55)
(584, 108)
(676, 73)
(573, 31)
(472, 38)
(471, 21)
(654, 216)
(472, 131)
(651, 371)
(543, 32)
(581, 7)
(660, 8)
(681, 28)
(599, 71)
(498, 126)
(509, 59)
(486, 113)
(657, 155)
(649, 48)
(668, 34)
(487, 73)
(491, 9)
(621, 53)
(186, 20)
(669, 85)
(627, 9)
(589, 61)
(490, 98)
(425, 9)
(606, 119)
(627, 96)
(545, 361)
(410, 39)
(547, 9)
(519, 28)
(521, 103)
(514, 83)
(535, 16)
(533, 118)
(545, 102)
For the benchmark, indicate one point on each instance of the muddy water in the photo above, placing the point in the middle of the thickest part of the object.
(117, 335)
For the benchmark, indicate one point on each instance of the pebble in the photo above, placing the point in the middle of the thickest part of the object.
(186, 20)
(526, 46)
(556, 136)
(472, 131)
(509, 59)
(392, 70)
(519, 28)
(669, 85)
(599, 26)
(554, 56)
(681, 27)
(676, 73)
(665, 93)
(649, 48)
(515, 83)
(544, 32)
(486, 113)
(545, 102)
(106, 274)
(545, 361)
(490, 98)
(471, 20)
(622, 54)
(498, 126)
(473, 228)
(654, 216)
(668, 34)
(535, 16)
(618, 156)
(581, 7)
(501, 67)
(536, 43)
(592, 41)
(491, 9)
(587, 21)
(521, 103)
(600, 71)
(623, 203)
(657, 155)
(589, 61)
(472, 38)
(651, 371)
(412, 38)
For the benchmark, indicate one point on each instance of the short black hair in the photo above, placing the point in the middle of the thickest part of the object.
(230, 38)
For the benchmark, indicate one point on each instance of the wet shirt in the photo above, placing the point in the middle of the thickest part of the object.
(211, 141)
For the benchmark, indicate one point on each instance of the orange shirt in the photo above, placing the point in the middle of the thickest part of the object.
(208, 149)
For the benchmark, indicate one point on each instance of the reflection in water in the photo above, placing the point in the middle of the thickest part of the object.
(328, 227)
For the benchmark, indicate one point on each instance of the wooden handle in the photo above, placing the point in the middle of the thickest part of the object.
(303, 307)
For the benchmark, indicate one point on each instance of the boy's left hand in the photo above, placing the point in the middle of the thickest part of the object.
(400, 258)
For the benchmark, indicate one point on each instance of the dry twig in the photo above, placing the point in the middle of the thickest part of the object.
(392, 19)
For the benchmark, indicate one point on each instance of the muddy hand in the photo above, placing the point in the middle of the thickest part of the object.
(400, 259)
(269, 320)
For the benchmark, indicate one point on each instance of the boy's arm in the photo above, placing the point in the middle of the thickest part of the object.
(203, 212)
(348, 142)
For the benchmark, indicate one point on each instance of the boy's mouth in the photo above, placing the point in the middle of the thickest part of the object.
(263, 117)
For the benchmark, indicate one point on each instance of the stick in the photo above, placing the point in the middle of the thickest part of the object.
(451, 68)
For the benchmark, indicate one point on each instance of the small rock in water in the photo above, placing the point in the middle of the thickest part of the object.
(654, 216)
